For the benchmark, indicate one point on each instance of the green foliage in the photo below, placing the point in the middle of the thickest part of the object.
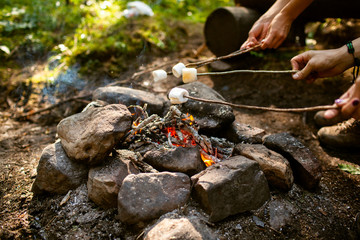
(350, 168)
(93, 32)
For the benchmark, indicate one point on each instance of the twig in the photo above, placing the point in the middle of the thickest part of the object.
(247, 71)
(52, 106)
(137, 74)
(233, 54)
(304, 109)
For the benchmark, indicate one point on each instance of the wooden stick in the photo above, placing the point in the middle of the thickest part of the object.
(304, 109)
(233, 54)
(247, 71)
(53, 106)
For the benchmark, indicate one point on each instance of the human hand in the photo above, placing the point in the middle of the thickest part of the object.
(257, 32)
(321, 63)
(269, 32)
(277, 32)
(348, 103)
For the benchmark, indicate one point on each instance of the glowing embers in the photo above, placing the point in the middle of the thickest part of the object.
(180, 137)
(176, 129)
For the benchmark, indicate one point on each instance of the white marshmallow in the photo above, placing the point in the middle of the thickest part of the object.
(159, 75)
(177, 95)
(189, 75)
(177, 69)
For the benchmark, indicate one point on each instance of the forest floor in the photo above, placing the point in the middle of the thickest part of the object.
(328, 212)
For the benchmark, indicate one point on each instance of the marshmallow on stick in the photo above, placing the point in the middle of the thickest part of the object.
(159, 75)
(189, 75)
(177, 69)
(178, 95)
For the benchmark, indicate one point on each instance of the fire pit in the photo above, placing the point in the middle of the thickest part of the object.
(147, 164)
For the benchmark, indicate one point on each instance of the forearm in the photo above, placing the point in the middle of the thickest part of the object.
(294, 8)
(276, 8)
(346, 57)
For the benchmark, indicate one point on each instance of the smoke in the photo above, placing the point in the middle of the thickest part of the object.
(67, 83)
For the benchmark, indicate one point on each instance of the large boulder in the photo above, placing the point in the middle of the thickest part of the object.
(104, 181)
(230, 187)
(146, 196)
(306, 167)
(186, 160)
(56, 173)
(183, 228)
(89, 136)
(276, 168)
(209, 116)
(243, 133)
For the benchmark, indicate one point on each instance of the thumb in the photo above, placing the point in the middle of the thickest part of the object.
(303, 74)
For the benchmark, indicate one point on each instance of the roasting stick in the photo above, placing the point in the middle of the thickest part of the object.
(179, 95)
(247, 71)
(177, 70)
(303, 109)
(230, 55)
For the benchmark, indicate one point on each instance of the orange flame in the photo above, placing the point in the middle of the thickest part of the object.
(206, 159)
(187, 139)
(189, 117)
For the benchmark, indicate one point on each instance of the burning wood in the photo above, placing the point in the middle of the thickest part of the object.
(176, 129)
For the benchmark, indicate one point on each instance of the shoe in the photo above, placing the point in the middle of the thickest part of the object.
(321, 121)
(344, 135)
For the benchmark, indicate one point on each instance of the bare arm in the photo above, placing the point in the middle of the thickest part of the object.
(280, 25)
(324, 63)
(274, 25)
(261, 26)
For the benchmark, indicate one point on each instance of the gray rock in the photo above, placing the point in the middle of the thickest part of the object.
(306, 167)
(186, 160)
(230, 187)
(56, 173)
(243, 133)
(281, 213)
(183, 228)
(104, 181)
(130, 96)
(276, 168)
(207, 115)
(146, 196)
(89, 136)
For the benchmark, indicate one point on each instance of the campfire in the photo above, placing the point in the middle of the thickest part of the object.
(146, 163)
(176, 129)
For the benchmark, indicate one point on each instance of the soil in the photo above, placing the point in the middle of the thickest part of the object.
(328, 212)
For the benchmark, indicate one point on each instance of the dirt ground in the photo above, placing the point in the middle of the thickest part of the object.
(325, 213)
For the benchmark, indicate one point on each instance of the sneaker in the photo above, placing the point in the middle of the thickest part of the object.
(343, 135)
(321, 121)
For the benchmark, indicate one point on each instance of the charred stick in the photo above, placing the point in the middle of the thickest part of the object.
(173, 111)
(146, 121)
(208, 145)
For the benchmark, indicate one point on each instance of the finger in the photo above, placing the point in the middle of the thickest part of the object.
(348, 109)
(267, 43)
(295, 64)
(278, 43)
(331, 113)
(244, 45)
(304, 73)
(342, 101)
